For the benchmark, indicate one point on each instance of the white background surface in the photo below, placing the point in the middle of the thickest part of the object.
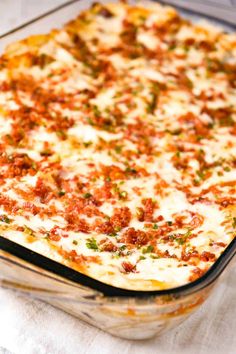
(29, 326)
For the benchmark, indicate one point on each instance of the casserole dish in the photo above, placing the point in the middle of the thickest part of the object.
(127, 313)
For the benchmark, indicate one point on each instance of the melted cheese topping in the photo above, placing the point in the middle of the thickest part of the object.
(118, 145)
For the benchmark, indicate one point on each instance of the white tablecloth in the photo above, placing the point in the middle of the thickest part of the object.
(29, 326)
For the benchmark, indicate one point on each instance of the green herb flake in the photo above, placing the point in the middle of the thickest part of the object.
(155, 257)
(87, 195)
(90, 121)
(92, 244)
(5, 218)
(28, 231)
(155, 227)
(118, 149)
(153, 103)
(182, 240)
(196, 182)
(178, 154)
(123, 195)
(75, 242)
(141, 258)
(87, 144)
(130, 170)
(96, 111)
(172, 47)
(113, 234)
(171, 237)
(61, 134)
(148, 249)
(200, 174)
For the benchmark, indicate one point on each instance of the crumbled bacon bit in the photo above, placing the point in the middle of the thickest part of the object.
(128, 267)
(104, 227)
(149, 206)
(55, 234)
(18, 165)
(102, 11)
(79, 258)
(196, 221)
(219, 244)
(193, 122)
(108, 246)
(207, 257)
(121, 218)
(226, 201)
(134, 237)
(104, 192)
(112, 173)
(31, 208)
(196, 274)
(8, 204)
(186, 256)
(76, 223)
(43, 191)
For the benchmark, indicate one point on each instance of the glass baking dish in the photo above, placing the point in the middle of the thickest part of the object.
(123, 313)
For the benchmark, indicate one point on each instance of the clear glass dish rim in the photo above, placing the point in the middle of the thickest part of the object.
(110, 291)
(71, 2)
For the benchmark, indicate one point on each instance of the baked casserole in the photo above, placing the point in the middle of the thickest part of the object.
(118, 145)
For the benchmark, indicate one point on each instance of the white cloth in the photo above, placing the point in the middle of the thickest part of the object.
(28, 326)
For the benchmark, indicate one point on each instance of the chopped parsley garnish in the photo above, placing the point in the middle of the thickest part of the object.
(61, 134)
(92, 244)
(28, 231)
(181, 239)
(123, 195)
(87, 143)
(178, 154)
(130, 170)
(141, 258)
(152, 104)
(148, 249)
(113, 234)
(200, 174)
(118, 149)
(90, 121)
(234, 223)
(154, 256)
(5, 218)
(87, 195)
(172, 47)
